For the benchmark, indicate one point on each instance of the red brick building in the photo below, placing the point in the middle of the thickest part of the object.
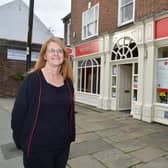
(120, 52)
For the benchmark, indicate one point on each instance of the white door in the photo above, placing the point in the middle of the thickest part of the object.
(125, 76)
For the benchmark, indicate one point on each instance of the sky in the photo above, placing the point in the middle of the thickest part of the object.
(50, 13)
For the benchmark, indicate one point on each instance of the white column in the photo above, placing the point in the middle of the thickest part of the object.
(100, 99)
(75, 69)
(136, 111)
(105, 74)
(148, 84)
(148, 91)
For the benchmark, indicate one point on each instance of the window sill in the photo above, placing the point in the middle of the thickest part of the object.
(161, 104)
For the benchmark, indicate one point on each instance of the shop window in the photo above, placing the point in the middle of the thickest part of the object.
(89, 76)
(126, 12)
(114, 80)
(135, 82)
(90, 22)
(162, 75)
(125, 48)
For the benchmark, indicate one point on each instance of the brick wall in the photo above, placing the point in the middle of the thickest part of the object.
(108, 14)
(9, 68)
(145, 8)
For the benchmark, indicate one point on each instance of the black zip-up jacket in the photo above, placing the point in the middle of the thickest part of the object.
(26, 111)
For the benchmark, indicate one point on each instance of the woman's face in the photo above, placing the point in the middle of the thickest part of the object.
(54, 54)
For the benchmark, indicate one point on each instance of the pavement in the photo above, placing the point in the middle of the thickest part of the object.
(105, 139)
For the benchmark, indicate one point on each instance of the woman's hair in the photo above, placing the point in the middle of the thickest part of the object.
(66, 67)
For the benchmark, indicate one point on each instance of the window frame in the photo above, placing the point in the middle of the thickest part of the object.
(120, 7)
(83, 67)
(95, 21)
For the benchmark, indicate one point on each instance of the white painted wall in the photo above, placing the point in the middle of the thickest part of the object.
(14, 23)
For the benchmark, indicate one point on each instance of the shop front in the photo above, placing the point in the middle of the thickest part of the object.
(126, 71)
(161, 71)
(87, 69)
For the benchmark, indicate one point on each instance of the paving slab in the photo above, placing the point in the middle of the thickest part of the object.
(157, 163)
(16, 162)
(130, 145)
(157, 139)
(88, 147)
(105, 139)
(10, 151)
(114, 158)
(85, 162)
(86, 137)
(7, 103)
(148, 154)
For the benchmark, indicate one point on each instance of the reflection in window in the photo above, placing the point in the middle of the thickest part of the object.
(89, 76)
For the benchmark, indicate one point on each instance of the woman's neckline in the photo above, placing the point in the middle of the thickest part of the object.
(56, 86)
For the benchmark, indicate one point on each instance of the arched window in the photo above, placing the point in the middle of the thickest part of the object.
(89, 76)
(125, 48)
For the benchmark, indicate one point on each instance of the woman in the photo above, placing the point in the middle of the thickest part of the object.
(43, 121)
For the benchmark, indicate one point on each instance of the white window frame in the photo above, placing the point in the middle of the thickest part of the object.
(85, 21)
(84, 66)
(15, 54)
(120, 6)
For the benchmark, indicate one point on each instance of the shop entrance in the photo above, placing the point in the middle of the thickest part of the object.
(124, 90)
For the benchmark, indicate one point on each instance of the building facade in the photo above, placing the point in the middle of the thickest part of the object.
(120, 53)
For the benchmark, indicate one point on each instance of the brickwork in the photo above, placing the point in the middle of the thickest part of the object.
(9, 68)
(150, 7)
(108, 14)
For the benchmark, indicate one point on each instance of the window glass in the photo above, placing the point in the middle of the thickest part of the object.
(162, 76)
(126, 11)
(90, 22)
(79, 74)
(89, 76)
(125, 48)
(88, 79)
(95, 77)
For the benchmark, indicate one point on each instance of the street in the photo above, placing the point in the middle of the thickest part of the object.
(105, 139)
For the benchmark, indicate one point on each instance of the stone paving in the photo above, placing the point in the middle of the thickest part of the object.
(105, 139)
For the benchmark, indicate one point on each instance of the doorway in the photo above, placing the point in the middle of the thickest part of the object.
(125, 87)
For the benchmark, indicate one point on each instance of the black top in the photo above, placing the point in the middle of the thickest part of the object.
(43, 115)
(52, 126)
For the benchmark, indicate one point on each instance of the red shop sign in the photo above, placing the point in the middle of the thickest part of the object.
(69, 50)
(87, 48)
(161, 29)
